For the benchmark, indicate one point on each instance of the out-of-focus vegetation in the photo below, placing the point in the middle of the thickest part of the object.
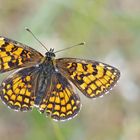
(111, 29)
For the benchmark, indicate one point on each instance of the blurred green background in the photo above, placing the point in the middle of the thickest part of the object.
(111, 30)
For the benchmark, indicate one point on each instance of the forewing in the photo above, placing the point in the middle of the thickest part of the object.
(91, 77)
(15, 55)
(60, 103)
(18, 90)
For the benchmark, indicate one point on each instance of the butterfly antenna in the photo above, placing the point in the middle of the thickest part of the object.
(27, 29)
(79, 44)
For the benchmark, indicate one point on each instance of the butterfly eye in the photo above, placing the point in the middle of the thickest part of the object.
(50, 54)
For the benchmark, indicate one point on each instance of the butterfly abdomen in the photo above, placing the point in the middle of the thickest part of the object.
(41, 89)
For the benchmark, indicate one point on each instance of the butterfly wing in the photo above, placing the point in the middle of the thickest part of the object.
(60, 103)
(15, 55)
(91, 77)
(18, 90)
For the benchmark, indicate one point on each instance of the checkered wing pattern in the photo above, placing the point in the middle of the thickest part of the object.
(14, 55)
(60, 103)
(91, 77)
(18, 90)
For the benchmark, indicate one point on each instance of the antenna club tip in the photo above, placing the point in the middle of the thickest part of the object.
(82, 43)
(26, 28)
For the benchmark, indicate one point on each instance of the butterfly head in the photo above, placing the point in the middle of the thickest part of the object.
(50, 53)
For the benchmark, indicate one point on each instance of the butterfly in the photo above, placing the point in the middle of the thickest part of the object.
(44, 82)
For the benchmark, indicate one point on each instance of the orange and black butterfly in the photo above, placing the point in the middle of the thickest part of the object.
(47, 83)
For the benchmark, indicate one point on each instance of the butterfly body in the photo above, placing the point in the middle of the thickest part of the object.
(46, 69)
(47, 83)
